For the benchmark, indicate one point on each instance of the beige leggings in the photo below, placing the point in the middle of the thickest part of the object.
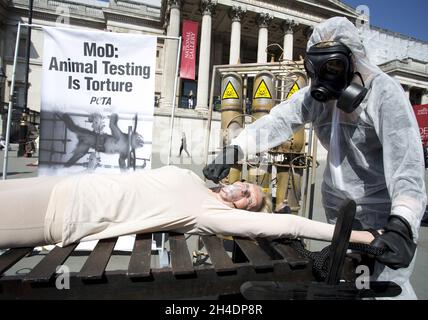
(23, 204)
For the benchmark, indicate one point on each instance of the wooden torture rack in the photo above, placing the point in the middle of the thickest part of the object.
(265, 261)
(256, 269)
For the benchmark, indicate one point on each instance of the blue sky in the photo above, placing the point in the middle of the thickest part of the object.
(408, 17)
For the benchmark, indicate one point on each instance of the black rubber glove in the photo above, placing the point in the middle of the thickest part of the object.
(284, 209)
(221, 165)
(398, 243)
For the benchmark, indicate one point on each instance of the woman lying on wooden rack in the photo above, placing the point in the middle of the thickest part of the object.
(65, 210)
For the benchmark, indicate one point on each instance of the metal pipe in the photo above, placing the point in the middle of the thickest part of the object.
(306, 184)
(23, 129)
(9, 111)
(172, 120)
(282, 177)
(174, 98)
(313, 176)
(210, 113)
(27, 54)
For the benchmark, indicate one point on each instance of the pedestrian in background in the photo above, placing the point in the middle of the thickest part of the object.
(191, 100)
(183, 145)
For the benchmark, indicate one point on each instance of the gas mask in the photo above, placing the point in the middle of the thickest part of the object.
(330, 67)
(235, 192)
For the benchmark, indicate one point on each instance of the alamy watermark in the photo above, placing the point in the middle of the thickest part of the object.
(62, 281)
(363, 281)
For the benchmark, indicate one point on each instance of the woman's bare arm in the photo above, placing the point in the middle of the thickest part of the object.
(256, 224)
(361, 237)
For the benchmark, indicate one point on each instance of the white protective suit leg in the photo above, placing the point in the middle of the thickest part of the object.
(400, 276)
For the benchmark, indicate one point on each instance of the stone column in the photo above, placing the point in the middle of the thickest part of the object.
(207, 9)
(263, 21)
(288, 27)
(407, 90)
(307, 32)
(236, 14)
(170, 55)
(424, 99)
(217, 58)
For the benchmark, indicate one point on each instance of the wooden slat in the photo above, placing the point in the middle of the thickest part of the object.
(265, 244)
(290, 255)
(181, 262)
(257, 257)
(139, 264)
(46, 268)
(11, 257)
(94, 267)
(218, 255)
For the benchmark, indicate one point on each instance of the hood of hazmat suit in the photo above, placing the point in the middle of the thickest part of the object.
(375, 154)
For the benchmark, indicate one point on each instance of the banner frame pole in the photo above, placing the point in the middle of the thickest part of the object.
(10, 107)
(177, 76)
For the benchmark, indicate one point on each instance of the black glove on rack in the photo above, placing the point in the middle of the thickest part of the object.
(398, 243)
(221, 165)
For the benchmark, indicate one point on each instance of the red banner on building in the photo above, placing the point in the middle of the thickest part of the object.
(421, 112)
(188, 49)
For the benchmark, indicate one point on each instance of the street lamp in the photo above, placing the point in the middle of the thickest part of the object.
(2, 82)
(23, 128)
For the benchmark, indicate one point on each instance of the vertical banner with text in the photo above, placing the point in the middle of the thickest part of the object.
(97, 101)
(188, 50)
(421, 113)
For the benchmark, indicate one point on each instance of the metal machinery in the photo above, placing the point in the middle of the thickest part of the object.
(290, 159)
(287, 167)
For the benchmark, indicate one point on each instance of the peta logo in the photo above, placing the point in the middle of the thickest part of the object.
(104, 101)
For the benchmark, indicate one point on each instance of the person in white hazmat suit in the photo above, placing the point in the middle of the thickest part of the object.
(365, 121)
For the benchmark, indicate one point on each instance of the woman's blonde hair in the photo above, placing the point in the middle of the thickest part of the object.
(266, 205)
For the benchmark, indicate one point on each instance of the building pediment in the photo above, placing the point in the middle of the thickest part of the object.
(408, 68)
(305, 12)
(340, 6)
(328, 8)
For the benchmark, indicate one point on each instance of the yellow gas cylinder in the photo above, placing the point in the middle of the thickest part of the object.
(284, 177)
(231, 114)
(263, 100)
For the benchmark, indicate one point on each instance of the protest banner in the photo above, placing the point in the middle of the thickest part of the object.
(421, 113)
(97, 104)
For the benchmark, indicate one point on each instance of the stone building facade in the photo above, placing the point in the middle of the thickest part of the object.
(230, 32)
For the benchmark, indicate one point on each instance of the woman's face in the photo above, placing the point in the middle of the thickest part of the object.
(241, 195)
